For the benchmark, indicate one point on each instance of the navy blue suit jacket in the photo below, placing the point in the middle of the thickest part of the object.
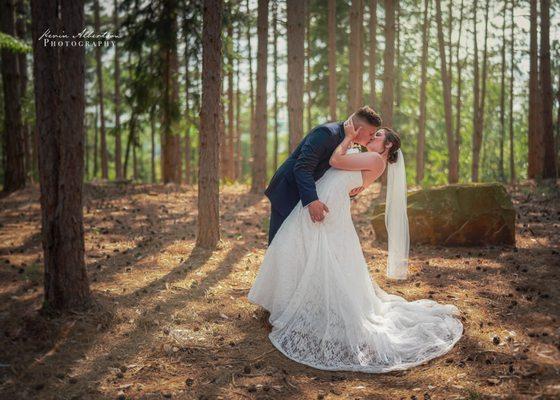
(295, 178)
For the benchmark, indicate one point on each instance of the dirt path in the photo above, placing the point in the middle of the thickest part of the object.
(171, 321)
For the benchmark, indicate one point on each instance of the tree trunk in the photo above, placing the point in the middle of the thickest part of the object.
(118, 144)
(480, 96)
(59, 107)
(388, 64)
(275, 72)
(332, 58)
(100, 94)
(95, 141)
(172, 162)
(535, 147)
(420, 152)
(210, 126)
(355, 54)
(308, 61)
(251, 88)
(230, 162)
(511, 95)
(372, 52)
(458, 100)
(21, 30)
(14, 175)
(258, 181)
(448, 108)
(398, 54)
(238, 148)
(549, 165)
(501, 170)
(296, 40)
(153, 140)
(188, 147)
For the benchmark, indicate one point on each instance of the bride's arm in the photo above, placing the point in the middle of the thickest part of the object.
(370, 161)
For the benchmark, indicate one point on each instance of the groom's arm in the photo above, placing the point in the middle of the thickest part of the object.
(311, 153)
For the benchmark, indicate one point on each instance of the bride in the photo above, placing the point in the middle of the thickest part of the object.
(325, 310)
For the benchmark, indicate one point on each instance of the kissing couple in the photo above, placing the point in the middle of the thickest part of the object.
(324, 309)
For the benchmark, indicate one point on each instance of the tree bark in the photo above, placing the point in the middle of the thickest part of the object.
(275, 72)
(188, 146)
(172, 162)
(251, 88)
(118, 143)
(372, 52)
(458, 100)
(388, 64)
(355, 54)
(332, 57)
(210, 126)
(153, 143)
(14, 175)
(258, 181)
(21, 30)
(308, 61)
(535, 140)
(501, 169)
(101, 97)
(238, 148)
(296, 40)
(420, 152)
(59, 106)
(549, 164)
(452, 176)
(479, 96)
(511, 95)
(230, 162)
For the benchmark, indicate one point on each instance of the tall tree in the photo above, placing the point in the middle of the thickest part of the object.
(59, 107)
(275, 73)
(355, 55)
(251, 79)
(549, 164)
(230, 150)
(332, 57)
(453, 155)
(188, 146)
(118, 144)
(511, 95)
(420, 151)
(296, 40)
(258, 181)
(14, 175)
(172, 163)
(388, 64)
(101, 96)
(479, 93)
(536, 159)
(372, 52)
(458, 99)
(21, 31)
(308, 60)
(501, 169)
(238, 147)
(210, 126)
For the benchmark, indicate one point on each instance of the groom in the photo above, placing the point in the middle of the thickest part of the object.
(295, 179)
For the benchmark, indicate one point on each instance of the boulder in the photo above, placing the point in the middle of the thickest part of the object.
(456, 215)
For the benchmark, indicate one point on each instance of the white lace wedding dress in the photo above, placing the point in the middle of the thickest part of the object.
(324, 308)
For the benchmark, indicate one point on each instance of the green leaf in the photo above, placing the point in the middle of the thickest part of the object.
(13, 44)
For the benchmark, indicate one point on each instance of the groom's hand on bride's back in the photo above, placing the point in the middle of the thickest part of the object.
(317, 210)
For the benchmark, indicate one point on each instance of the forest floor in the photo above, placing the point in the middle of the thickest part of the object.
(173, 321)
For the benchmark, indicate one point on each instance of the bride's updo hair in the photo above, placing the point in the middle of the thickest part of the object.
(393, 137)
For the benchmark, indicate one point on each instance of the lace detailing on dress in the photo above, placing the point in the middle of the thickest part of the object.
(325, 310)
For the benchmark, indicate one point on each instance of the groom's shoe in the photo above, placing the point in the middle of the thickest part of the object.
(265, 314)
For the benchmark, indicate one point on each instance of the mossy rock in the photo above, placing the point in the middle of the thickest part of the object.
(456, 215)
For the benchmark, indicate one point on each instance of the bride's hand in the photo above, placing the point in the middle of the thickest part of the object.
(349, 130)
(354, 192)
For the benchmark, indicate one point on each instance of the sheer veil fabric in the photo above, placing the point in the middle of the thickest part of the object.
(396, 220)
(326, 311)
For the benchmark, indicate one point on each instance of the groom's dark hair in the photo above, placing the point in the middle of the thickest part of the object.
(368, 114)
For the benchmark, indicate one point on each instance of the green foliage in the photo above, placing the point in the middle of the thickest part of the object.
(13, 44)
